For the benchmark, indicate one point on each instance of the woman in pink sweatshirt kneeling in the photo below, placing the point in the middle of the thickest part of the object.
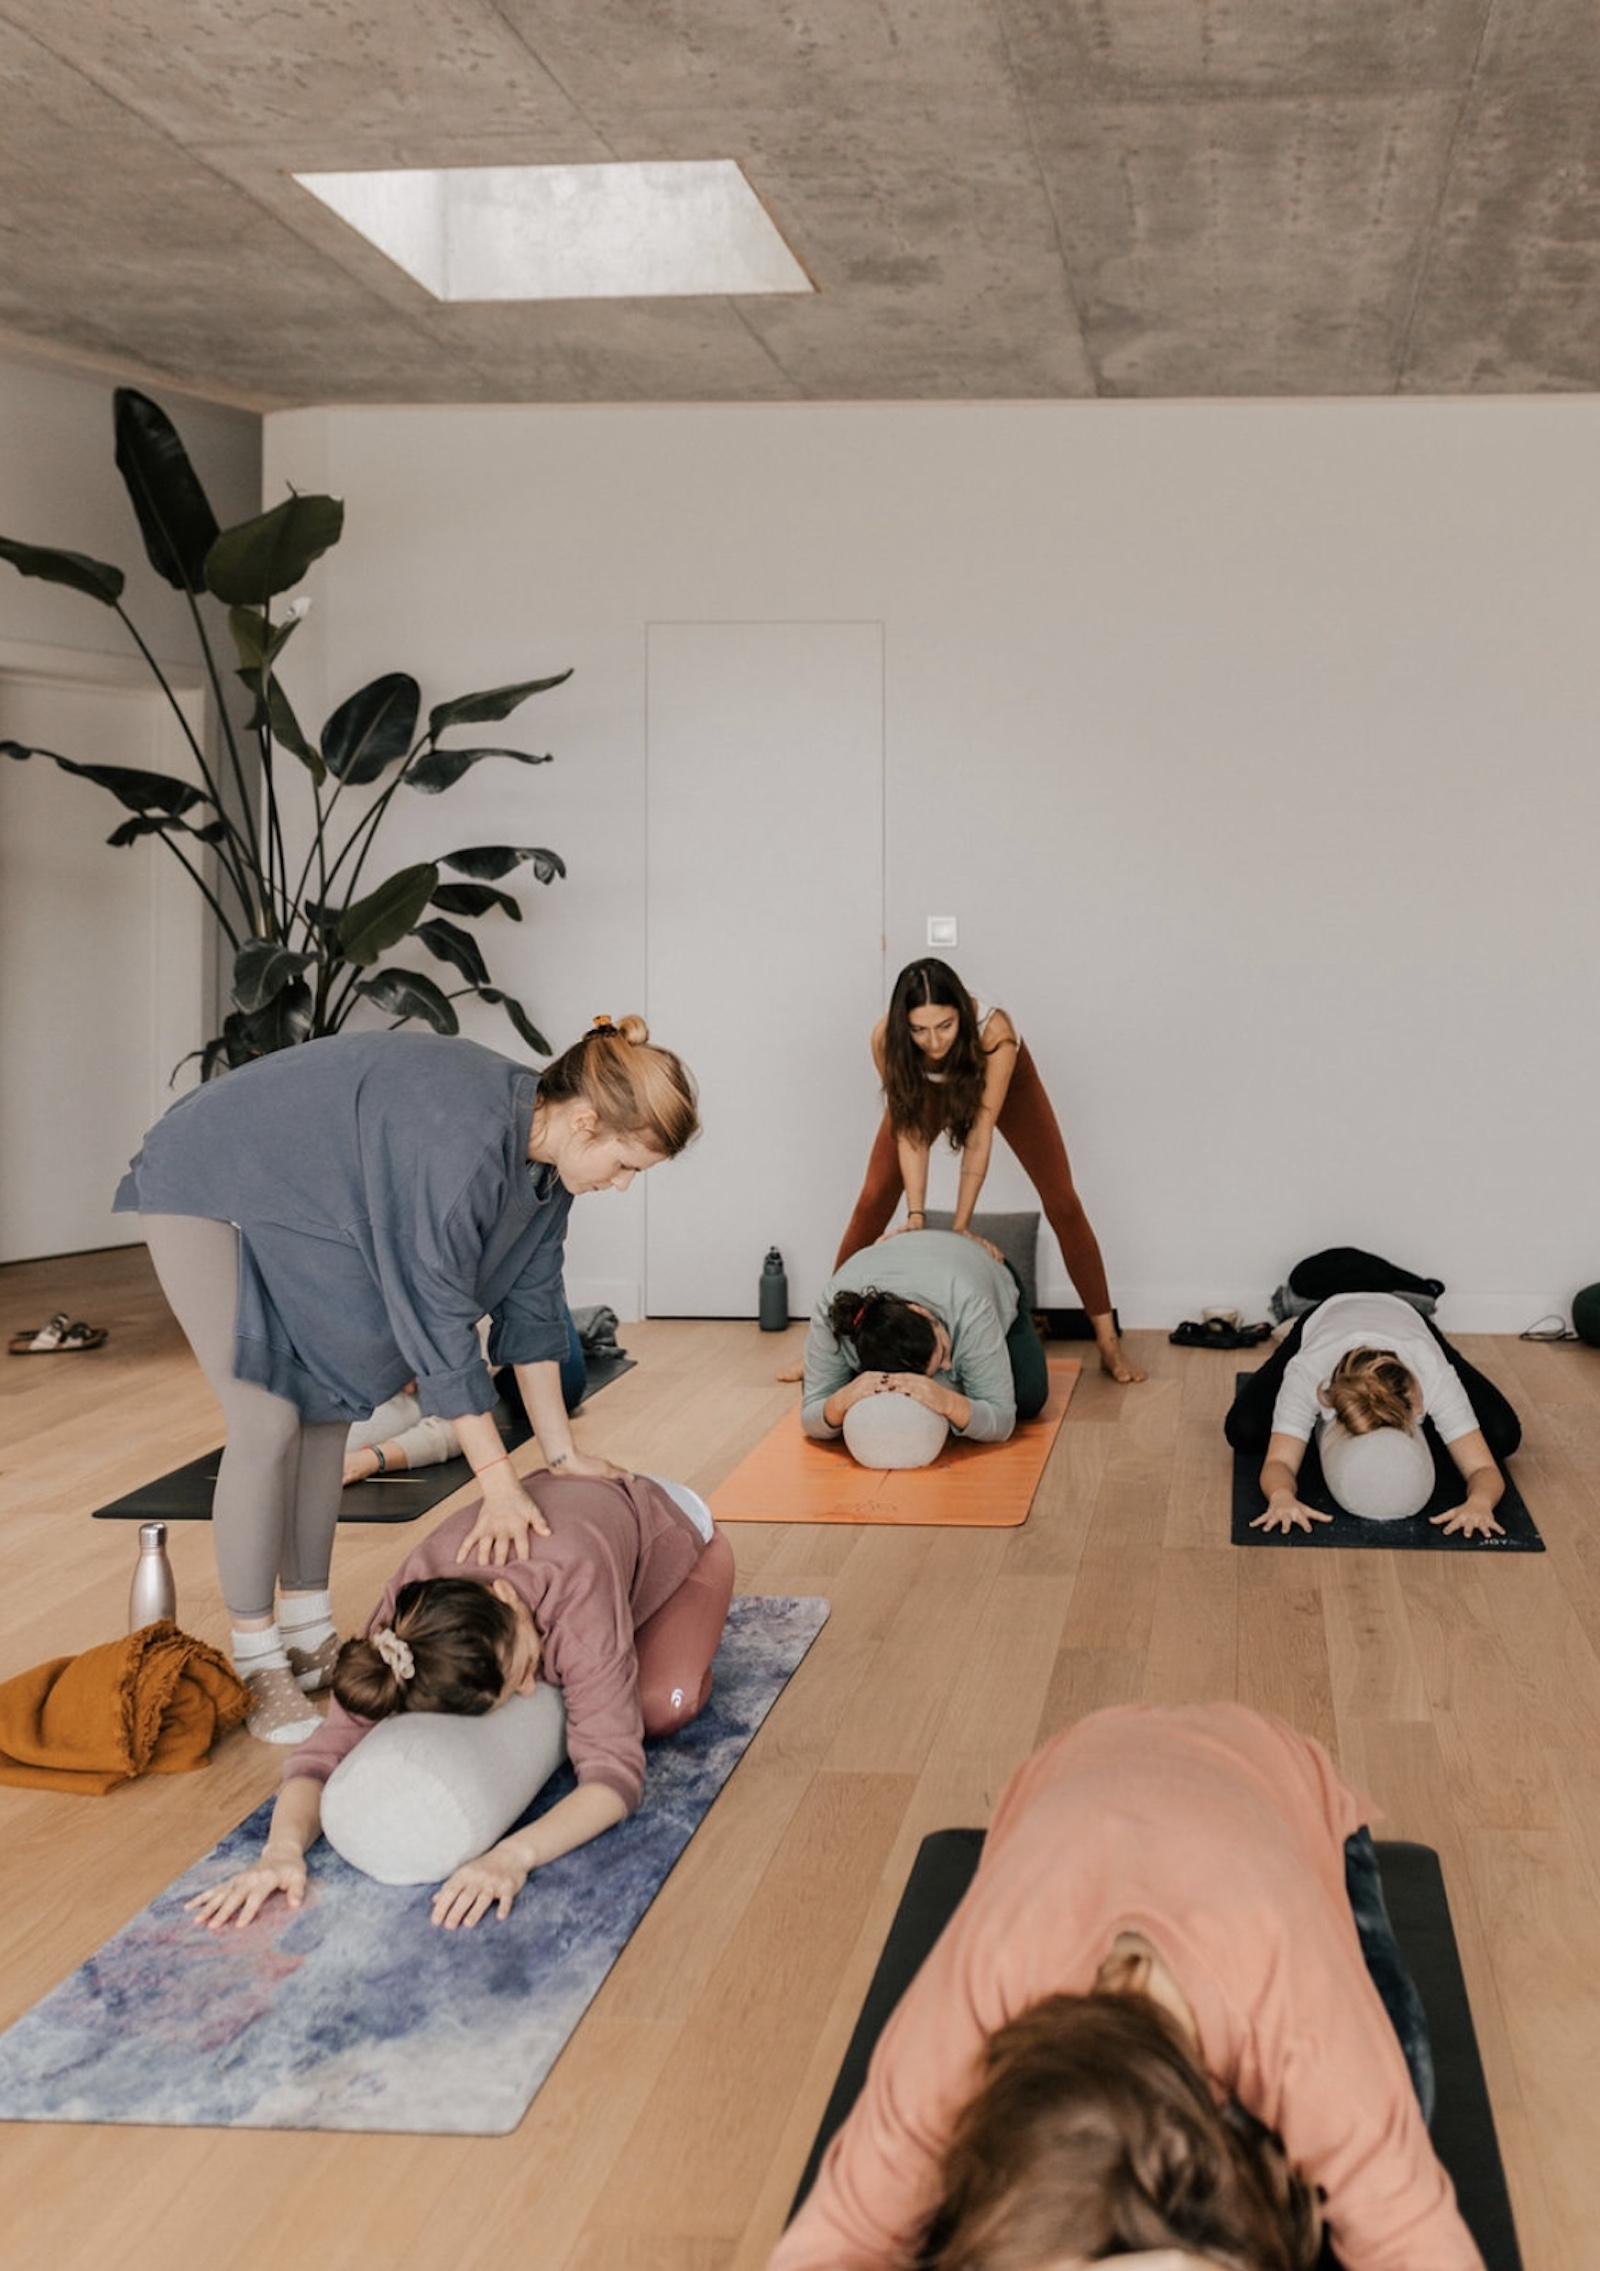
(1168, 2017)
(614, 1590)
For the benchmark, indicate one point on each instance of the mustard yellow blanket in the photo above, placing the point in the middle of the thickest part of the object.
(150, 1704)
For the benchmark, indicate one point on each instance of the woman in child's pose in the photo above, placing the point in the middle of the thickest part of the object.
(334, 1220)
(929, 1315)
(1357, 1364)
(620, 1604)
(1174, 1908)
(952, 1066)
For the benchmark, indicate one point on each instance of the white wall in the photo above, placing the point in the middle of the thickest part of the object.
(1256, 747)
(109, 976)
(59, 487)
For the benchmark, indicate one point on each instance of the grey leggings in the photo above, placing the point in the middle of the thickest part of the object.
(276, 1503)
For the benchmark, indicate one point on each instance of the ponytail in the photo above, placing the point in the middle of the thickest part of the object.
(447, 1648)
(889, 1335)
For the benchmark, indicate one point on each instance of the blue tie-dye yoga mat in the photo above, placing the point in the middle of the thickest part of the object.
(358, 2013)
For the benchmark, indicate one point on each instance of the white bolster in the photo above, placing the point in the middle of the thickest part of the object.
(427, 1790)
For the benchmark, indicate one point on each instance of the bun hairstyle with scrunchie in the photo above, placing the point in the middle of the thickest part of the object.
(457, 1637)
(632, 1087)
(1370, 1388)
(1093, 2135)
(888, 1335)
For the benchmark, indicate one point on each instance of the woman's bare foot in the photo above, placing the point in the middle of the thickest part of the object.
(789, 1372)
(1113, 1357)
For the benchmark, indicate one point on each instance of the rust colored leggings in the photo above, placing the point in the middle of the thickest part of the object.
(1030, 1126)
(676, 1645)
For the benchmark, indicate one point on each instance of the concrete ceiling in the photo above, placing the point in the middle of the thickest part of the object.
(1044, 199)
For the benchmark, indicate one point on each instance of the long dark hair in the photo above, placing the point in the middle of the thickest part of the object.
(460, 1637)
(1093, 2134)
(887, 1333)
(931, 984)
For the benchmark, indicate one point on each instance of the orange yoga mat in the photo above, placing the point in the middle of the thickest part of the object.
(989, 1486)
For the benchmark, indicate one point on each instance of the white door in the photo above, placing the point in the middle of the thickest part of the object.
(765, 933)
(101, 962)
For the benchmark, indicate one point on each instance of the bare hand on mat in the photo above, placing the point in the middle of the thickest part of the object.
(492, 1881)
(1288, 1514)
(1471, 1519)
(239, 1899)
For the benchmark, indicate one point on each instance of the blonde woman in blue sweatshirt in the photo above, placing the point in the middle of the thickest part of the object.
(332, 1221)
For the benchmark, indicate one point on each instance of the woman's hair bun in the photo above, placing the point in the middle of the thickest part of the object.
(634, 1030)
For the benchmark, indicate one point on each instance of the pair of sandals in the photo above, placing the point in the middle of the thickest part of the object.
(61, 1337)
(1218, 1332)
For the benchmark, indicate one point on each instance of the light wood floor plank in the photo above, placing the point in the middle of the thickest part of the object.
(1462, 1691)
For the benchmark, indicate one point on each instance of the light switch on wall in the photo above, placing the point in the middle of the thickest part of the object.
(943, 930)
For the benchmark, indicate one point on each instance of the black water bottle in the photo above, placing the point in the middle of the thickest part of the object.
(772, 1299)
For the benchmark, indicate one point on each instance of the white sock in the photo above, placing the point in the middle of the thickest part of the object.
(258, 1651)
(306, 1619)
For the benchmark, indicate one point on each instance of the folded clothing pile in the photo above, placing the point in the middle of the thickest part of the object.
(152, 1703)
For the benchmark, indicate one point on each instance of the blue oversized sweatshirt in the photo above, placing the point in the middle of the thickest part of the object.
(385, 1202)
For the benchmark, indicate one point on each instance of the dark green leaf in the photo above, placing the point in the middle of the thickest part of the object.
(457, 947)
(374, 924)
(164, 824)
(486, 863)
(474, 899)
(257, 641)
(282, 1023)
(262, 969)
(140, 792)
(519, 1018)
(273, 711)
(489, 708)
(252, 563)
(324, 921)
(175, 516)
(435, 769)
(407, 993)
(372, 728)
(74, 569)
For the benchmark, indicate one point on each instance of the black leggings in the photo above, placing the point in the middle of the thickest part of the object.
(1030, 1368)
(1249, 1422)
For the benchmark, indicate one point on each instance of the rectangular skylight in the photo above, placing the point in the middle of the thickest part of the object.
(568, 232)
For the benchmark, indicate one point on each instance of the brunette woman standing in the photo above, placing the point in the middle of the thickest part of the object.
(957, 1067)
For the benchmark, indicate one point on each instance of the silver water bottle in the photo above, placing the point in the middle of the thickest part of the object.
(154, 1593)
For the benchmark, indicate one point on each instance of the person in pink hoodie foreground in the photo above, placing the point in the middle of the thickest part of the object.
(1149, 2033)
(614, 1590)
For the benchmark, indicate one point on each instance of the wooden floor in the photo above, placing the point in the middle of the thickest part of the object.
(1463, 1691)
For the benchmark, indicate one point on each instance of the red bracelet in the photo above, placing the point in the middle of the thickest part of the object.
(488, 1463)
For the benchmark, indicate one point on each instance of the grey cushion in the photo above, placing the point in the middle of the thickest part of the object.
(1016, 1235)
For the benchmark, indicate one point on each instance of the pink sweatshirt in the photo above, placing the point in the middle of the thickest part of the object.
(1219, 1834)
(616, 1553)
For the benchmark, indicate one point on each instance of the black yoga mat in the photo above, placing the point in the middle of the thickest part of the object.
(1463, 2126)
(185, 1494)
(1415, 1534)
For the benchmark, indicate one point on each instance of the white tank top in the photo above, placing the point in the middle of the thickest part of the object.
(985, 1010)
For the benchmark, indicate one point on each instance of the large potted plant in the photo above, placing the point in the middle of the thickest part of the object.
(309, 929)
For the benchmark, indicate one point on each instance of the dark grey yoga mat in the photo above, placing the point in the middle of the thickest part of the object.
(1463, 2127)
(1414, 1535)
(185, 1494)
